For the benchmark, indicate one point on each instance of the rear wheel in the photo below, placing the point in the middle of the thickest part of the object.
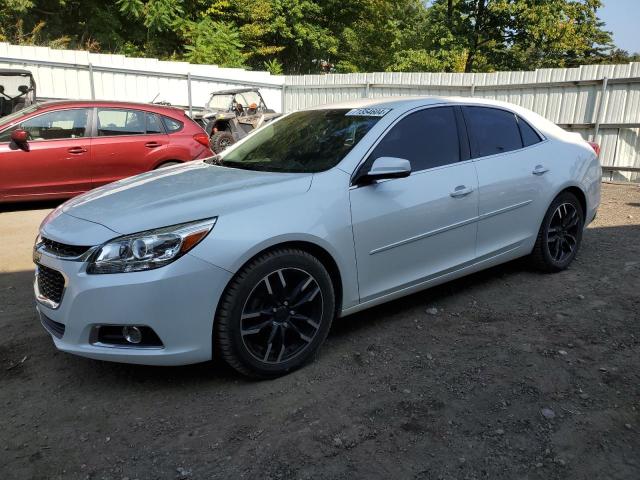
(560, 234)
(221, 140)
(275, 314)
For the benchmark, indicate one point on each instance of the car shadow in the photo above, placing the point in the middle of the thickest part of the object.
(24, 334)
(34, 205)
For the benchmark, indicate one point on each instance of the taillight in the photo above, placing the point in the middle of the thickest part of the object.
(202, 138)
(596, 148)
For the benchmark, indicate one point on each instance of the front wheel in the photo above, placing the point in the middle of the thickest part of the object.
(275, 314)
(560, 234)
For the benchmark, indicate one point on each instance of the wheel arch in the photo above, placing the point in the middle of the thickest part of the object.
(579, 194)
(162, 162)
(319, 252)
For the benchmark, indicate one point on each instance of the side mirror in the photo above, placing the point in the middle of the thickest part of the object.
(384, 167)
(20, 137)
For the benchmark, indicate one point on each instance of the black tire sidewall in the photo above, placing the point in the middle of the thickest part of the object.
(218, 137)
(255, 273)
(565, 197)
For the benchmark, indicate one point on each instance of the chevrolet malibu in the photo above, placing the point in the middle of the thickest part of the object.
(325, 212)
(58, 149)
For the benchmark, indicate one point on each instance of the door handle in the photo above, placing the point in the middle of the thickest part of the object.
(540, 170)
(77, 150)
(461, 191)
(152, 144)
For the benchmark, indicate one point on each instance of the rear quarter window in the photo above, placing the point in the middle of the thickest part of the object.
(492, 131)
(529, 135)
(172, 125)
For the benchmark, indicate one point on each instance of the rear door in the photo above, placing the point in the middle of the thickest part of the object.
(513, 178)
(126, 142)
(57, 163)
(410, 230)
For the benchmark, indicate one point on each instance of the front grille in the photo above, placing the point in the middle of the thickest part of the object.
(50, 283)
(61, 249)
(54, 328)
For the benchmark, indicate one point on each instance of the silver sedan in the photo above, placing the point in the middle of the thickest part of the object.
(321, 214)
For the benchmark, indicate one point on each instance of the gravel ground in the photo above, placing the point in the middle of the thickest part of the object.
(506, 374)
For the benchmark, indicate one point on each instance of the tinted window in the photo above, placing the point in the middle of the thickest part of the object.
(428, 138)
(171, 125)
(54, 125)
(154, 125)
(492, 131)
(309, 141)
(113, 121)
(529, 135)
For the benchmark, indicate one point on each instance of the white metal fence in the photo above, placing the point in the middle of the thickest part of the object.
(602, 102)
(83, 75)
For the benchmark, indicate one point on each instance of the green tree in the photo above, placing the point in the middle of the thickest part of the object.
(212, 42)
(299, 36)
(524, 34)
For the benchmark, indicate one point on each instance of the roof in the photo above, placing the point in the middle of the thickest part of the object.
(13, 71)
(107, 103)
(408, 103)
(231, 91)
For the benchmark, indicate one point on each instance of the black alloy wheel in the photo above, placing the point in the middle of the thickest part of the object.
(275, 313)
(560, 234)
(282, 315)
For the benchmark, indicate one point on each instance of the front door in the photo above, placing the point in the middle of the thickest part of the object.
(56, 164)
(409, 230)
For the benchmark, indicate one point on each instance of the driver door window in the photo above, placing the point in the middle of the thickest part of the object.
(428, 139)
(61, 124)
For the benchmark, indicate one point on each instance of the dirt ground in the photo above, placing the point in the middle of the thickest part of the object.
(518, 375)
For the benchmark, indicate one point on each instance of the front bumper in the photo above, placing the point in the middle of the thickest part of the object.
(177, 301)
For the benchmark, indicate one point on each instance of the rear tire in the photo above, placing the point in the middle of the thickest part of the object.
(560, 234)
(221, 140)
(275, 314)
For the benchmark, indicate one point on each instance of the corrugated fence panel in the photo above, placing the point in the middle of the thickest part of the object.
(66, 74)
(575, 98)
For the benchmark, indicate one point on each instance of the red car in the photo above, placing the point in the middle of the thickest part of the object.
(59, 149)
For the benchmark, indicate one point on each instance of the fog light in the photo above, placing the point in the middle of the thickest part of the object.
(132, 334)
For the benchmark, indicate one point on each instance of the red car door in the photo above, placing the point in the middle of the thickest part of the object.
(56, 162)
(127, 142)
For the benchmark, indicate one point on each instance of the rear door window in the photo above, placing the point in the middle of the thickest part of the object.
(112, 122)
(427, 138)
(154, 124)
(492, 131)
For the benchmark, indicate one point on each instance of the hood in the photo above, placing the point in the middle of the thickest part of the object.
(184, 193)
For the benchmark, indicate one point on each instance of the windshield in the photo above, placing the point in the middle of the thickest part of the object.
(220, 102)
(303, 142)
(14, 116)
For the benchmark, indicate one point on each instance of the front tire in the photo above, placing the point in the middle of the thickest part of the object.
(275, 314)
(560, 234)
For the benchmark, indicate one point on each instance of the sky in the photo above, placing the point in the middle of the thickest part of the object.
(622, 18)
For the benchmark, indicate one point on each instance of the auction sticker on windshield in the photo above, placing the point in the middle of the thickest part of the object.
(368, 112)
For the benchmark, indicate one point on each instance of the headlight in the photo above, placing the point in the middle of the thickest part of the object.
(148, 250)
